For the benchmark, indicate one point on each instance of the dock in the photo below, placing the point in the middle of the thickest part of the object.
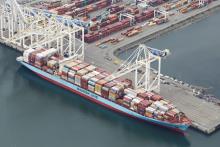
(204, 115)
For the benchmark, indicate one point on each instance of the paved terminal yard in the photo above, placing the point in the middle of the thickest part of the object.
(204, 115)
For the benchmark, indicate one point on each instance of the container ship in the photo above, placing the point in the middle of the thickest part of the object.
(91, 82)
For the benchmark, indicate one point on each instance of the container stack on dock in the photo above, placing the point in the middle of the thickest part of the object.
(100, 27)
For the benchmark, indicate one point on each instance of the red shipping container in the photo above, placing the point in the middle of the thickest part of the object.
(156, 97)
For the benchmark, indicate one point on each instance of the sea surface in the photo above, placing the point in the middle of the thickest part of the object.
(35, 113)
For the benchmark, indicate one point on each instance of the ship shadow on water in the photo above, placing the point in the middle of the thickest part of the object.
(133, 127)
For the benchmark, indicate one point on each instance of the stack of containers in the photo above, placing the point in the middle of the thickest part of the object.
(130, 91)
(82, 3)
(79, 75)
(71, 76)
(26, 54)
(155, 2)
(91, 68)
(42, 57)
(66, 68)
(64, 73)
(98, 86)
(93, 80)
(127, 99)
(109, 29)
(133, 10)
(127, 83)
(148, 14)
(53, 64)
(156, 97)
(116, 8)
(135, 102)
(142, 106)
(149, 111)
(116, 92)
(91, 37)
(90, 8)
(32, 55)
(79, 72)
(106, 88)
(85, 79)
(161, 106)
(146, 95)
(171, 114)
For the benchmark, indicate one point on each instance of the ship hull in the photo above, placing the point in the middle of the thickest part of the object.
(100, 100)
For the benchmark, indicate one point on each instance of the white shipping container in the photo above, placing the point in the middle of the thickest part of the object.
(49, 52)
(163, 108)
(156, 112)
(135, 101)
(71, 64)
(71, 80)
(27, 53)
(150, 109)
(158, 104)
(91, 88)
(153, 106)
(96, 73)
(77, 80)
(94, 79)
(130, 95)
(142, 90)
(91, 67)
(130, 91)
(71, 73)
(161, 112)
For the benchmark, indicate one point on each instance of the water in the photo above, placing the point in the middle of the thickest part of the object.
(35, 113)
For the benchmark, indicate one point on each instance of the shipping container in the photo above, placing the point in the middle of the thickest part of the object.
(78, 80)
(130, 91)
(26, 54)
(127, 101)
(135, 103)
(53, 64)
(71, 64)
(106, 87)
(98, 86)
(71, 76)
(64, 74)
(142, 106)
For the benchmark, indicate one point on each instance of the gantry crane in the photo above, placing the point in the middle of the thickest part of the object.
(141, 59)
(29, 27)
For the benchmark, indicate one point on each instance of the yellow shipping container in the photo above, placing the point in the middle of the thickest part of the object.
(112, 96)
(98, 88)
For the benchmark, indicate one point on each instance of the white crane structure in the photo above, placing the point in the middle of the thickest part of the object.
(141, 60)
(32, 28)
(201, 3)
(127, 15)
(160, 12)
